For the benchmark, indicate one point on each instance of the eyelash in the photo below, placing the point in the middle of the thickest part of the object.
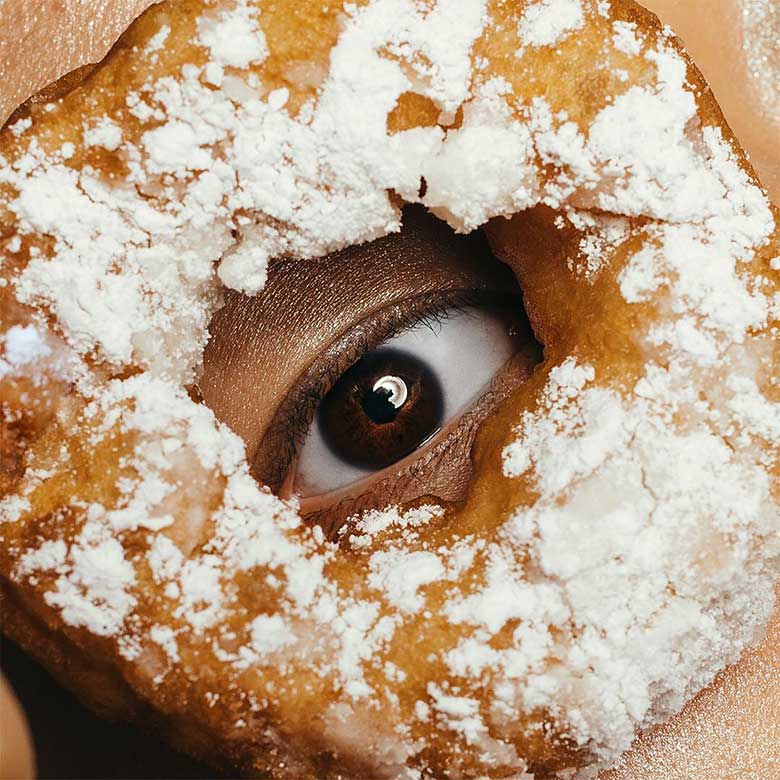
(296, 413)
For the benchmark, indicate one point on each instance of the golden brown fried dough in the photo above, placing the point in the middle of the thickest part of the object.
(617, 544)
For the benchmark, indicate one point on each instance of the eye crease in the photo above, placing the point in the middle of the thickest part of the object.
(360, 379)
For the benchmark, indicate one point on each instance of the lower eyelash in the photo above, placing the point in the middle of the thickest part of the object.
(335, 519)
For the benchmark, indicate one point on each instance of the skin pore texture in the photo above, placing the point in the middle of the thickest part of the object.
(742, 702)
(16, 752)
(42, 40)
(736, 43)
(251, 335)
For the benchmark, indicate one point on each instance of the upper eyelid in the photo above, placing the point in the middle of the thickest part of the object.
(293, 416)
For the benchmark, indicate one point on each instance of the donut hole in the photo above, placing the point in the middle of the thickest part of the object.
(273, 358)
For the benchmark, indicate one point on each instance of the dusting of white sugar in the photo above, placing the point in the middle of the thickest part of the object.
(547, 22)
(635, 559)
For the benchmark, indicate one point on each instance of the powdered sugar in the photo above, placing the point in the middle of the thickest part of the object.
(104, 133)
(633, 562)
(719, 298)
(618, 491)
(371, 524)
(49, 557)
(234, 38)
(23, 344)
(92, 590)
(269, 634)
(400, 574)
(483, 169)
(546, 22)
(601, 235)
(460, 714)
(166, 638)
(126, 313)
(157, 41)
(625, 38)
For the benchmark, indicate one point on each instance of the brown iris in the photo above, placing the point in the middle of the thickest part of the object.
(381, 409)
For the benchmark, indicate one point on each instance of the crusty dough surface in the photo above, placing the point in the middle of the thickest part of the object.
(617, 545)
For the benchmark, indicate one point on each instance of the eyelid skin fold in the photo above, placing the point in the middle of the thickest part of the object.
(460, 356)
(439, 472)
(260, 346)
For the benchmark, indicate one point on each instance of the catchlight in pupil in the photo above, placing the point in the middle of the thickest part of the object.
(381, 409)
(385, 398)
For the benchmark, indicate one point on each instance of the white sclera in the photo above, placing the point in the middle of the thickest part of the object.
(464, 350)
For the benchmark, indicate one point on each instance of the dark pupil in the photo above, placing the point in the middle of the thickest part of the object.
(382, 409)
(379, 407)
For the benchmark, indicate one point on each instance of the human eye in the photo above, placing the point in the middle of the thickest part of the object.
(399, 398)
(361, 379)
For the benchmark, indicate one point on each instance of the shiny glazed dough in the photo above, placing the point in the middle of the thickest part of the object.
(617, 545)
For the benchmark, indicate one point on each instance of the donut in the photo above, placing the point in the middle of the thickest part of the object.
(617, 542)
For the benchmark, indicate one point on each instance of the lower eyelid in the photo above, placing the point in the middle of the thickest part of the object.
(387, 482)
(463, 352)
(275, 455)
(408, 484)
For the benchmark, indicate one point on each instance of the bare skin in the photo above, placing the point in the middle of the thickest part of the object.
(16, 754)
(732, 729)
(45, 39)
(42, 41)
(267, 349)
